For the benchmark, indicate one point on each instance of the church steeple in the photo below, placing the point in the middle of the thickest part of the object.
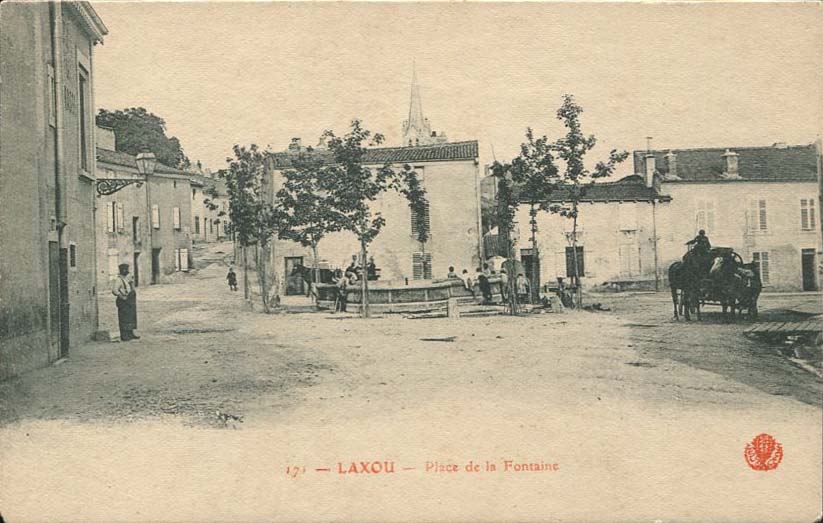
(417, 130)
(416, 119)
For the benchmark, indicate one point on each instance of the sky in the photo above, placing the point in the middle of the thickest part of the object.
(688, 75)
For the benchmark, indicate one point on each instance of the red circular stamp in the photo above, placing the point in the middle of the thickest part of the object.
(763, 453)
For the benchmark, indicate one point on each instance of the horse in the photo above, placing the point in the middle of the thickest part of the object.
(680, 280)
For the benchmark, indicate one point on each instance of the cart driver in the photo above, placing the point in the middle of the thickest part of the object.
(700, 242)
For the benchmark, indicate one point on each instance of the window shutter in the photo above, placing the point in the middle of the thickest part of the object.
(110, 216)
(176, 217)
(120, 218)
(155, 216)
(421, 265)
(762, 261)
(762, 215)
(184, 259)
(176, 259)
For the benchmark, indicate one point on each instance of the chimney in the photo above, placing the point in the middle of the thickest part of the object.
(650, 168)
(731, 170)
(671, 163)
(780, 145)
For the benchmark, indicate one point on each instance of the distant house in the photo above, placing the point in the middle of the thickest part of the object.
(615, 236)
(146, 225)
(209, 222)
(448, 172)
(761, 201)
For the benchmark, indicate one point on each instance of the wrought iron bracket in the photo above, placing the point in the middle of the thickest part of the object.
(112, 185)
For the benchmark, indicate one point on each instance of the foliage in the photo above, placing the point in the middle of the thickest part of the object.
(409, 186)
(253, 216)
(356, 187)
(308, 216)
(576, 179)
(136, 128)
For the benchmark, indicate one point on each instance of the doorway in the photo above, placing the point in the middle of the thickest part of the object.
(54, 296)
(809, 268)
(136, 269)
(531, 266)
(155, 265)
(294, 281)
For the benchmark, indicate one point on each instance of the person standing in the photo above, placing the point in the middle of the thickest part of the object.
(232, 279)
(504, 284)
(342, 293)
(126, 301)
(523, 288)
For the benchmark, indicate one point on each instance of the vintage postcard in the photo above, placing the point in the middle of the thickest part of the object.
(411, 261)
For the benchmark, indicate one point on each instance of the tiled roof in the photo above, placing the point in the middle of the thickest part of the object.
(790, 163)
(127, 160)
(629, 189)
(449, 151)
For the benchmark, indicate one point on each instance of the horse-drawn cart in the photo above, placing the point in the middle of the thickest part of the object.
(715, 276)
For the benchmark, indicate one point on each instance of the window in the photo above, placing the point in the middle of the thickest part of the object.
(704, 216)
(181, 260)
(757, 216)
(196, 225)
(83, 93)
(421, 265)
(807, 218)
(175, 215)
(155, 216)
(211, 226)
(194, 194)
(111, 216)
(761, 259)
(570, 261)
(72, 255)
(420, 221)
(629, 255)
(52, 96)
(627, 213)
(119, 220)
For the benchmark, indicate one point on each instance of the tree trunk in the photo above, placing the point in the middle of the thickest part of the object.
(316, 274)
(535, 257)
(259, 257)
(246, 289)
(512, 277)
(364, 285)
(578, 290)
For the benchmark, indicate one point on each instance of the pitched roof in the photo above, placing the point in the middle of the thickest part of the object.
(441, 152)
(127, 160)
(775, 163)
(629, 189)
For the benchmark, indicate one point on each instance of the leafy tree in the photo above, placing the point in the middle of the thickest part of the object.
(303, 200)
(253, 216)
(356, 187)
(536, 175)
(575, 179)
(136, 128)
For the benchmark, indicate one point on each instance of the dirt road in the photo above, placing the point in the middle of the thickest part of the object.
(645, 418)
